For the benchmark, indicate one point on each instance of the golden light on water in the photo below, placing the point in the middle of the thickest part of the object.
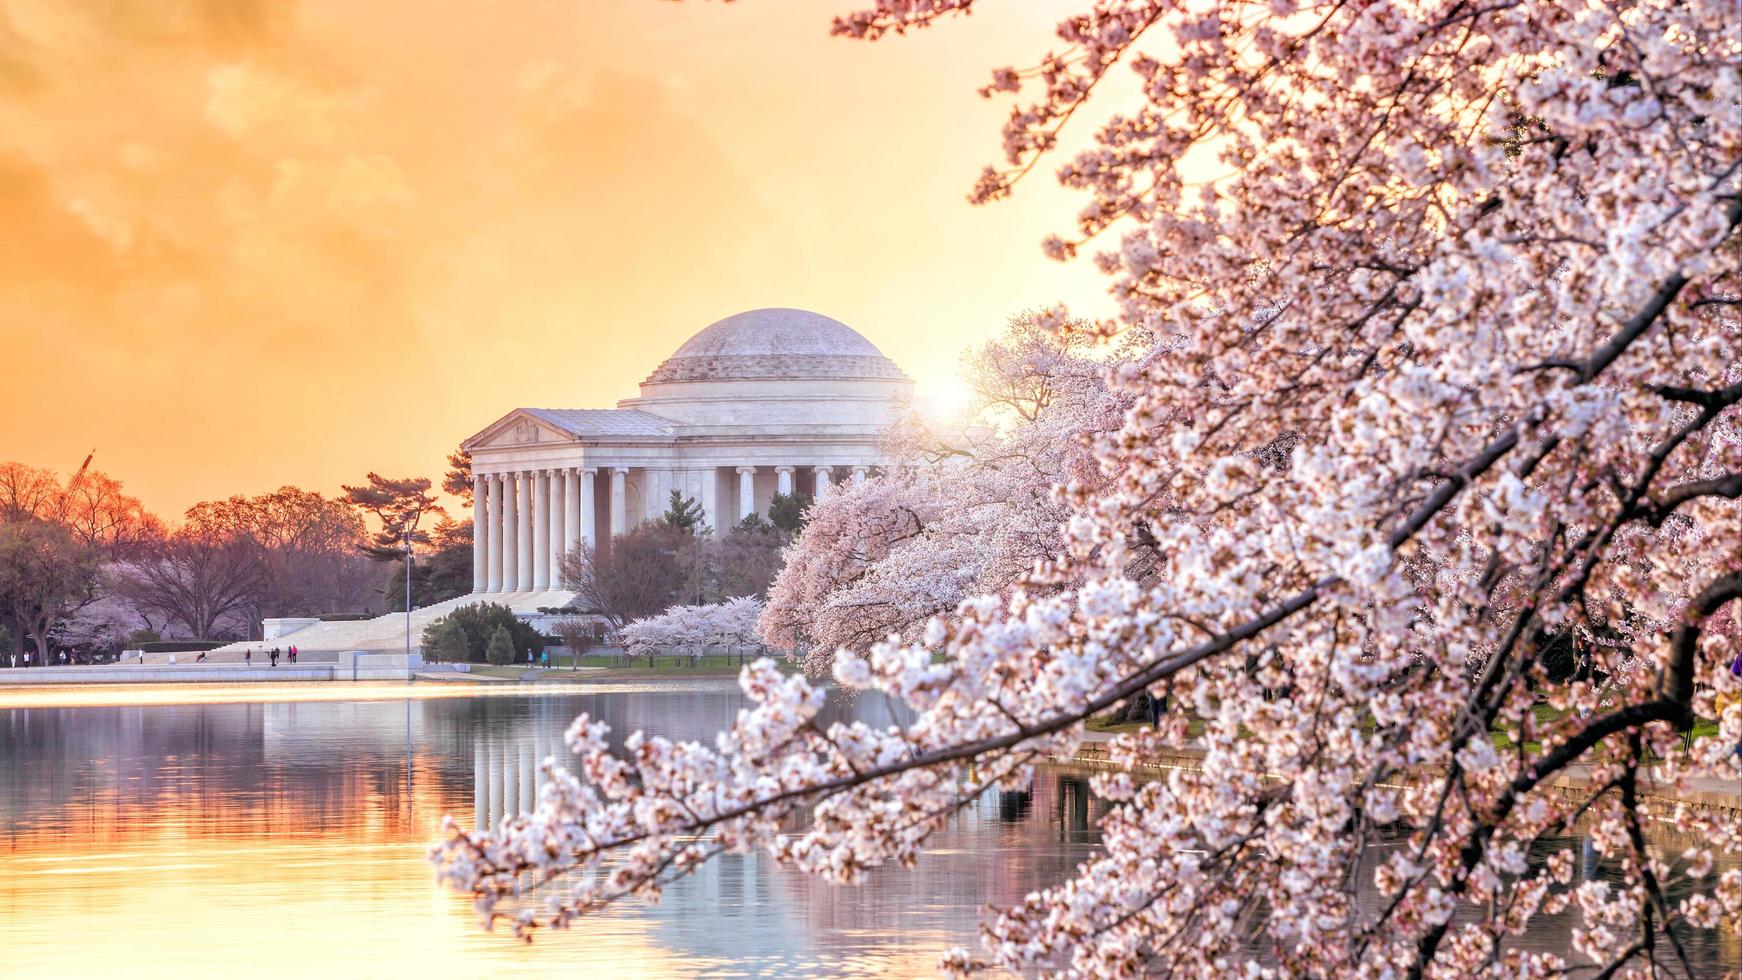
(304, 892)
(284, 831)
(119, 695)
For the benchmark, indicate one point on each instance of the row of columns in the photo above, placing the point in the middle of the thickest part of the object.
(784, 484)
(508, 774)
(524, 522)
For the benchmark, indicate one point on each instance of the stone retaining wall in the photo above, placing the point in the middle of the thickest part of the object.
(352, 666)
(1652, 803)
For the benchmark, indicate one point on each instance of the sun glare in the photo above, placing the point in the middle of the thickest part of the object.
(946, 397)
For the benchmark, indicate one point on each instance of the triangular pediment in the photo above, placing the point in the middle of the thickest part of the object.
(517, 428)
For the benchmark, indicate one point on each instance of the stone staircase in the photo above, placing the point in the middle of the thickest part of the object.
(322, 642)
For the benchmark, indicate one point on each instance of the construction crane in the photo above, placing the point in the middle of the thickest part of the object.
(82, 468)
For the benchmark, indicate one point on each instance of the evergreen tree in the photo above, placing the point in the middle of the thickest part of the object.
(457, 481)
(753, 523)
(476, 624)
(684, 514)
(398, 506)
(787, 511)
(443, 570)
(501, 649)
(446, 641)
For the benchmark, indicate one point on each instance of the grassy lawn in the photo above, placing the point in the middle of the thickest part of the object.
(1503, 734)
(1104, 723)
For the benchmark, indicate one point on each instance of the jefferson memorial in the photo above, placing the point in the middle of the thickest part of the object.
(764, 402)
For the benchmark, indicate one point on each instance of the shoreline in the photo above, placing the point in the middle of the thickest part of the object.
(156, 684)
(89, 695)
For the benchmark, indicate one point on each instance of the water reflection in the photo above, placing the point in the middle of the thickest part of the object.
(289, 837)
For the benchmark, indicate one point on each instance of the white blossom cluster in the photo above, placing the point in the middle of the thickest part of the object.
(728, 623)
(968, 506)
(1446, 376)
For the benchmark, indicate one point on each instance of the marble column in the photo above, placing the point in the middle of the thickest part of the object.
(571, 510)
(528, 770)
(493, 529)
(619, 500)
(584, 532)
(523, 534)
(859, 474)
(558, 524)
(822, 473)
(783, 480)
(480, 778)
(510, 528)
(493, 762)
(480, 535)
(657, 486)
(746, 491)
(540, 530)
(710, 489)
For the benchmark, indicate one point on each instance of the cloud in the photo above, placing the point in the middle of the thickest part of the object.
(245, 100)
(229, 237)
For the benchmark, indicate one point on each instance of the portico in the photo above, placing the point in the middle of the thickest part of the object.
(765, 402)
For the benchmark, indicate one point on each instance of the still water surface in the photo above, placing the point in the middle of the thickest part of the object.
(288, 836)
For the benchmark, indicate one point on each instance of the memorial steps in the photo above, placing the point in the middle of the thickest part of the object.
(321, 642)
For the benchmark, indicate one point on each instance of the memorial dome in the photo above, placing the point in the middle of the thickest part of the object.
(776, 343)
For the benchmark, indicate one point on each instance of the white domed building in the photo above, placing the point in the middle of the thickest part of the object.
(767, 401)
(762, 402)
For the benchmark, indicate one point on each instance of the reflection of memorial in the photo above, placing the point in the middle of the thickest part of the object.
(507, 772)
(145, 819)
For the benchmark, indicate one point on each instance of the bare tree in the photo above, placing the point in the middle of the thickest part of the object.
(578, 635)
(95, 510)
(642, 573)
(26, 491)
(310, 546)
(46, 573)
(199, 577)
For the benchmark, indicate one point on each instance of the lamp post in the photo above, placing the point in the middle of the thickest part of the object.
(408, 596)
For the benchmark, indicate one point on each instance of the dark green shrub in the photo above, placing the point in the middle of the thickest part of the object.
(179, 646)
(478, 622)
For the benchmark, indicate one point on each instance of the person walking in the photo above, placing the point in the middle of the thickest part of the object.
(293, 653)
(248, 657)
(274, 656)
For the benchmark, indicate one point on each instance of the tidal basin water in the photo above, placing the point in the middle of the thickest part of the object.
(284, 830)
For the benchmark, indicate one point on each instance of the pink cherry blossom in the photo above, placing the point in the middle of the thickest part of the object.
(1437, 377)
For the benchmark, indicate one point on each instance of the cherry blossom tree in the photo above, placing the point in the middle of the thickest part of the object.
(1443, 297)
(967, 507)
(99, 629)
(728, 623)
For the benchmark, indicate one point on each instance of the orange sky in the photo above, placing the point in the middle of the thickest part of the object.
(252, 243)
